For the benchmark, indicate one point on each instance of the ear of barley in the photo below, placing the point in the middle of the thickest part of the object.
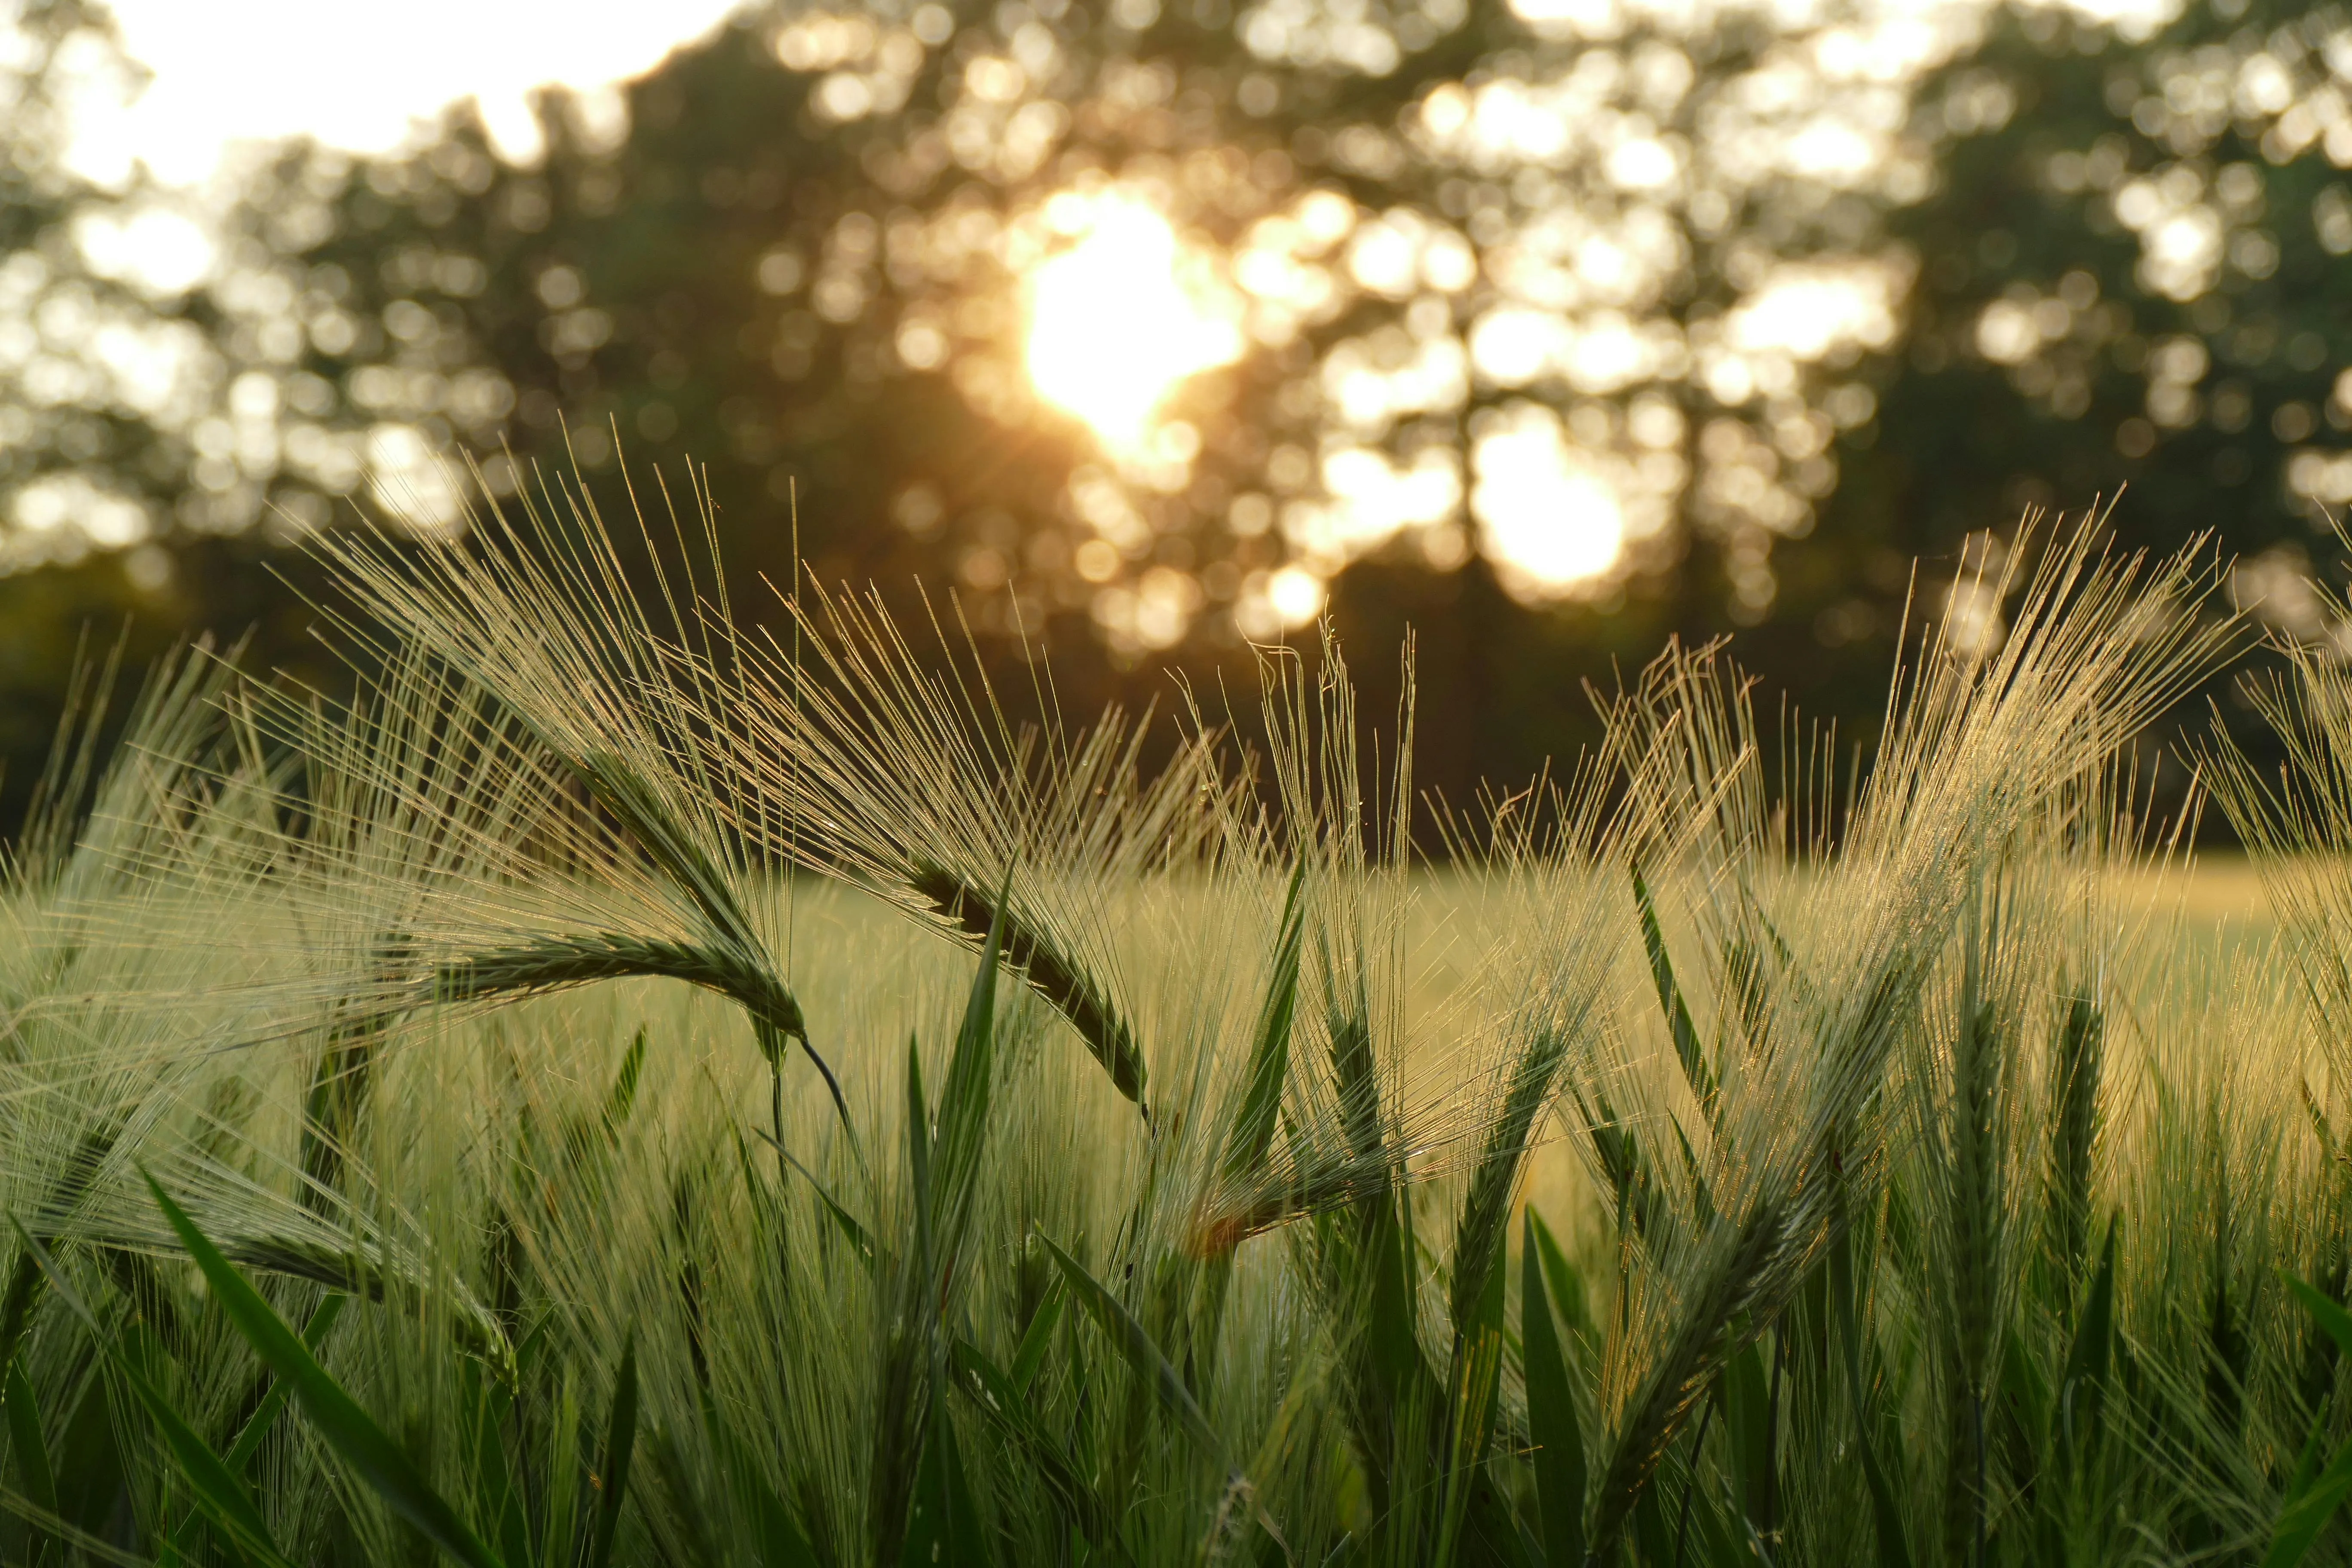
(1061, 979)
(1975, 751)
(553, 778)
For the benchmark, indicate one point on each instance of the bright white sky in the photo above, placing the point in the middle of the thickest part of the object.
(356, 73)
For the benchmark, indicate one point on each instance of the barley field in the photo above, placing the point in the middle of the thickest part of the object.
(620, 1091)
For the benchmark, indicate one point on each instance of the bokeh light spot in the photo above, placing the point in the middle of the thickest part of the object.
(1121, 316)
(1548, 521)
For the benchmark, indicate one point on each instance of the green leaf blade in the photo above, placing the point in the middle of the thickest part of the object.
(1687, 1049)
(620, 1440)
(1135, 1342)
(1260, 1107)
(1552, 1423)
(347, 1429)
(26, 1440)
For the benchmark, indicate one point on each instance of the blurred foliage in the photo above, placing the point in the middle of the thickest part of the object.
(1766, 302)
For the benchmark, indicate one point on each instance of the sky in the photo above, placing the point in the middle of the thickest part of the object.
(357, 73)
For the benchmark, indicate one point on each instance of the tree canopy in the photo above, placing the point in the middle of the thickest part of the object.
(1154, 327)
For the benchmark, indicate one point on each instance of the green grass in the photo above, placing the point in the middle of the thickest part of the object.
(619, 1093)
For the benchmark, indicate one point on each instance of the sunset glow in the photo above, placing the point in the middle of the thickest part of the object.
(1120, 317)
(1548, 521)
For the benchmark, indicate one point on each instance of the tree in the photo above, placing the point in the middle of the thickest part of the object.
(1580, 289)
(2135, 277)
(113, 384)
(1553, 328)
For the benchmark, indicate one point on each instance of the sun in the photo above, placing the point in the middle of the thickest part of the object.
(1122, 316)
